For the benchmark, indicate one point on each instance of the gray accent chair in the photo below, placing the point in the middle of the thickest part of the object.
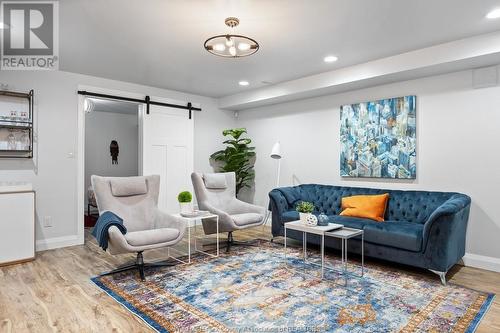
(216, 192)
(135, 200)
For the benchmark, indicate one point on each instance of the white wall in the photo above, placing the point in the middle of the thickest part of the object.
(458, 146)
(54, 169)
(100, 129)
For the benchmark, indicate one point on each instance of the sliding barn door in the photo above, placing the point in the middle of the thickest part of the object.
(167, 150)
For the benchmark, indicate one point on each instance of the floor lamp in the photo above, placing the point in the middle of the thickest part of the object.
(276, 155)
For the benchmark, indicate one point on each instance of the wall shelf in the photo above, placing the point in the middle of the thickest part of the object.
(16, 124)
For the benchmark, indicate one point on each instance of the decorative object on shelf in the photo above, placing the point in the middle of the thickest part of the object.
(229, 45)
(16, 124)
(11, 140)
(378, 139)
(323, 219)
(185, 201)
(237, 157)
(114, 151)
(305, 209)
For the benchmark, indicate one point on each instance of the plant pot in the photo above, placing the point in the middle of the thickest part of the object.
(186, 207)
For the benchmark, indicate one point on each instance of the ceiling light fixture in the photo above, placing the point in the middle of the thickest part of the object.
(330, 58)
(231, 46)
(243, 83)
(494, 14)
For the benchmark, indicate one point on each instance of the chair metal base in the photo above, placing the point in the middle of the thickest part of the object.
(139, 265)
(442, 276)
(231, 242)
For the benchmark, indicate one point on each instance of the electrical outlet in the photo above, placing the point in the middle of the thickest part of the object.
(47, 221)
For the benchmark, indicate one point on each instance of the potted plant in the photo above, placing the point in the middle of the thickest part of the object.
(237, 157)
(185, 199)
(305, 209)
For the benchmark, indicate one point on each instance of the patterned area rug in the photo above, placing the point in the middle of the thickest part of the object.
(256, 290)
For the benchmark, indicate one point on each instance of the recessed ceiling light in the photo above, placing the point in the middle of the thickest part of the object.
(494, 14)
(330, 58)
(243, 83)
(3, 26)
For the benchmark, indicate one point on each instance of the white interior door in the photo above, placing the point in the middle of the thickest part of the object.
(167, 150)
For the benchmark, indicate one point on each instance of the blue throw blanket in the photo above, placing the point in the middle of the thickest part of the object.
(105, 221)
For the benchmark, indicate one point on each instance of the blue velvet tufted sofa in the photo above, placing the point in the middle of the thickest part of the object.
(421, 228)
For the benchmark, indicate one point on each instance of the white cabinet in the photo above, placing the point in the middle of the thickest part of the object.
(17, 223)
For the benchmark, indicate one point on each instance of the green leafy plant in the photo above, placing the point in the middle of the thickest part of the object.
(237, 157)
(305, 207)
(184, 197)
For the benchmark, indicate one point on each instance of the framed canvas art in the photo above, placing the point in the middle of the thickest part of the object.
(378, 139)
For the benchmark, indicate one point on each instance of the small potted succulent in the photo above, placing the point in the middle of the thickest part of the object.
(185, 201)
(305, 210)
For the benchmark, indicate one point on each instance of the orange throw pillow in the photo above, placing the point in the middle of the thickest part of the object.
(366, 206)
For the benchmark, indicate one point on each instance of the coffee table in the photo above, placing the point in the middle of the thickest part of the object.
(331, 230)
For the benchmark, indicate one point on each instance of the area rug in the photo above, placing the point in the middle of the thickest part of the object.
(257, 290)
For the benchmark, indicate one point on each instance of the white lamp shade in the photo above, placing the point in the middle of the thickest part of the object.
(276, 152)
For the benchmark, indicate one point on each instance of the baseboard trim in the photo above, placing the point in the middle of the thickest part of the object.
(483, 262)
(57, 242)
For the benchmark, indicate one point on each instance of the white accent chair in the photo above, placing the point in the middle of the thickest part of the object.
(135, 200)
(216, 192)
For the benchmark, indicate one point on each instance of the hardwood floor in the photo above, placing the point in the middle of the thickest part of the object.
(54, 292)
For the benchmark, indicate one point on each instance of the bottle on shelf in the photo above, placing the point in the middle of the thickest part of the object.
(11, 141)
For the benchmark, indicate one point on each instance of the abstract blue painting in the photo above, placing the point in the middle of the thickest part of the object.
(379, 139)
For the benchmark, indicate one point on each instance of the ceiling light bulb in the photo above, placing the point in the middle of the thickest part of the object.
(229, 41)
(232, 51)
(244, 46)
(243, 83)
(330, 58)
(494, 14)
(219, 47)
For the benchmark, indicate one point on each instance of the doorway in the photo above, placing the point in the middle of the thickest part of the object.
(111, 145)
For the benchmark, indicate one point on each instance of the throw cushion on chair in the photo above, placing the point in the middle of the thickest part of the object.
(366, 206)
(215, 180)
(128, 187)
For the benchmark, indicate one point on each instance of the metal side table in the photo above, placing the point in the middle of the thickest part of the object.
(317, 230)
(332, 230)
(345, 234)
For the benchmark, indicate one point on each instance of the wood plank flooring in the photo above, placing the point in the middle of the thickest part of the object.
(54, 292)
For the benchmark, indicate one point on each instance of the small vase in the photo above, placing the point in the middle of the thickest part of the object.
(186, 207)
(323, 219)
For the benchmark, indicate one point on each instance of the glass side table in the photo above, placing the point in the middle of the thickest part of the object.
(193, 221)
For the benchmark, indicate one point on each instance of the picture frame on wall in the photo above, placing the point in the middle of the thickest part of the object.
(378, 139)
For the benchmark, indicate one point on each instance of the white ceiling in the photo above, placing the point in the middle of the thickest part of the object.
(160, 43)
(106, 105)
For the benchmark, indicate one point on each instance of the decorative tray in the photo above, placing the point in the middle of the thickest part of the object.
(195, 213)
